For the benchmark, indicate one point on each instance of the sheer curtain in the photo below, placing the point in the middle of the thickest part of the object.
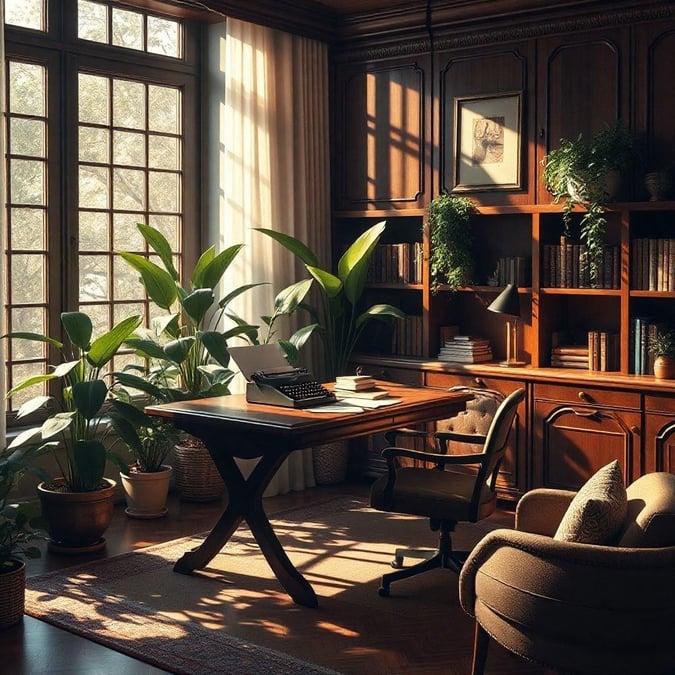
(268, 118)
(3, 201)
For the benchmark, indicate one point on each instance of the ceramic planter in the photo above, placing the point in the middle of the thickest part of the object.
(77, 520)
(12, 595)
(664, 367)
(146, 492)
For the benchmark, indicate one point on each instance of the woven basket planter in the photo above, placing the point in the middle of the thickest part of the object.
(196, 476)
(12, 595)
(330, 462)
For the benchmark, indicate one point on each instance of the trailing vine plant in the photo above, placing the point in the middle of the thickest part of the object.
(450, 241)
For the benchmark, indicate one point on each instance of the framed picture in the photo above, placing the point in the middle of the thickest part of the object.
(488, 142)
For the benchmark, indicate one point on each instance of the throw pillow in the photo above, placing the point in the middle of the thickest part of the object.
(598, 510)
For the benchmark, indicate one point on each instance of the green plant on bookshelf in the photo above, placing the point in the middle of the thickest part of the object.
(587, 173)
(661, 345)
(450, 241)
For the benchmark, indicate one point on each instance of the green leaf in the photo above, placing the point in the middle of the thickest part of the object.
(295, 246)
(78, 327)
(214, 271)
(197, 304)
(158, 243)
(106, 346)
(205, 259)
(159, 284)
(32, 405)
(224, 302)
(140, 383)
(89, 461)
(89, 397)
(291, 297)
(178, 350)
(328, 282)
(64, 369)
(35, 337)
(216, 346)
(300, 337)
(353, 265)
(382, 312)
(146, 348)
(30, 381)
(56, 424)
(24, 437)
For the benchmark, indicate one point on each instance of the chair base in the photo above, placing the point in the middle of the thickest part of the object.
(443, 557)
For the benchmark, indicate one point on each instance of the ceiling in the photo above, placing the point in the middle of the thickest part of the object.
(353, 6)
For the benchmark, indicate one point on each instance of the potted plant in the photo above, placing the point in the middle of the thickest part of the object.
(149, 441)
(661, 345)
(187, 356)
(450, 241)
(338, 320)
(20, 526)
(77, 505)
(587, 173)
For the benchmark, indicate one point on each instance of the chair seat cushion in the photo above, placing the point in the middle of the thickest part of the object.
(597, 513)
(443, 495)
(650, 519)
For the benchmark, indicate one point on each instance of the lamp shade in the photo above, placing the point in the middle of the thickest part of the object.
(507, 302)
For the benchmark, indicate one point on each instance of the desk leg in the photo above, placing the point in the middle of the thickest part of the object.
(245, 502)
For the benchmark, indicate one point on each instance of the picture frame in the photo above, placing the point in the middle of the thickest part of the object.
(488, 142)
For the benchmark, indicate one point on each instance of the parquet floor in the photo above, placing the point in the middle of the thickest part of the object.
(34, 647)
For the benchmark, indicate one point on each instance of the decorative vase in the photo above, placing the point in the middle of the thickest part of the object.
(12, 595)
(197, 478)
(76, 520)
(664, 367)
(146, 492)
(658, 185)
(330, 462)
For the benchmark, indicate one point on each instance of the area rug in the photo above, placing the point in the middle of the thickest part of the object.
(234, 616)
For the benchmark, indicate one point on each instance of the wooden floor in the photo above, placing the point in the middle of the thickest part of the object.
(34, 647)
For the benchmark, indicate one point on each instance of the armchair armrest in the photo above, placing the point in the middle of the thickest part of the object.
(541, 510)
(391, 453)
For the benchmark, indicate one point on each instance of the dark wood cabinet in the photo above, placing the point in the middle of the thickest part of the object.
(659, 436)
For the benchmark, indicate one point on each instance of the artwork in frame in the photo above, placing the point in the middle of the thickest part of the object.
(487, 142)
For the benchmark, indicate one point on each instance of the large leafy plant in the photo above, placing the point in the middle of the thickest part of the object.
(75, 433)
(338, 318)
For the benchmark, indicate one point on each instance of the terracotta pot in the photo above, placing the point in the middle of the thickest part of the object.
(77, 520)
(146, 492)
(664, 367)
(12, 594)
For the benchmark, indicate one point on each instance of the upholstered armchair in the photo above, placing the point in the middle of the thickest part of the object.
(579, 607)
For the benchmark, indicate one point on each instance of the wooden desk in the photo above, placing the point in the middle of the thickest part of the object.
(232, 428)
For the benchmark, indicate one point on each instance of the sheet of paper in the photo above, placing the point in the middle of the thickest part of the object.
(337, 407)
(370, 403)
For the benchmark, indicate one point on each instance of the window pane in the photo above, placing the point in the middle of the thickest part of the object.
(27, 137)
(128, 104)
(30, 268)
(21, 372)
(27, 320)
(94, 189)
(164, 191)
(125, 282)
(94, 277)
(27, 89)
(94, 145)
(92, 21)
(27, 229)
(126, 236)
(93, 231)
(128, 189)
(127, 29)
(129, 148)
(165, 109)
(26, 13)
(169, 226)
(93, 104)
(27, 182)
(164, 152)
(163, 37)
(100, 317)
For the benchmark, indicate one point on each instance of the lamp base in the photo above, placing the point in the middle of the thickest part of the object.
(512, 364)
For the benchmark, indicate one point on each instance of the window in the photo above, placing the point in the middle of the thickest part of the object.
(100, 137)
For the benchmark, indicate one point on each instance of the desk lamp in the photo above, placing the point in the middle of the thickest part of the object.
(507, 302)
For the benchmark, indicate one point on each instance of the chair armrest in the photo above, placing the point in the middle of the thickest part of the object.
(476, 439)
(541, 510)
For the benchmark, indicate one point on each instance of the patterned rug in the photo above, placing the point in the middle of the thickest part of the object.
(234, 616)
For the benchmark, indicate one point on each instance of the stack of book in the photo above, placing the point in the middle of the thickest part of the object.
(570, 356)
(466, 349)
(354, 382)
(603, 350)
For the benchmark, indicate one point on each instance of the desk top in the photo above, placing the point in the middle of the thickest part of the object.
(232, 416)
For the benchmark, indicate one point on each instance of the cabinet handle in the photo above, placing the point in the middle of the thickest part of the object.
(586, 398)
(635, 430)
(586, 413)
(479, 382)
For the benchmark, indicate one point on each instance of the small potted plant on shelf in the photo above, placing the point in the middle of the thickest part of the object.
(20, 526)
(338, 320)
(78, 505)
(588, 173)
(661, 345)
(450, 241)
(149, 441)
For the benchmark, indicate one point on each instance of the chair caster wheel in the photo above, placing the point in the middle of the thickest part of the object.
(397, 563)
(383, 592)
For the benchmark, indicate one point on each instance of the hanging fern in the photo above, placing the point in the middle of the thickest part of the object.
(450, 241)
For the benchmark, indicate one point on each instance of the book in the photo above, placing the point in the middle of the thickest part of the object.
(370, 394)
(354, 382)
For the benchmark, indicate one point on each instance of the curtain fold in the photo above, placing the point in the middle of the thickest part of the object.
(3, 201)
(270, 91)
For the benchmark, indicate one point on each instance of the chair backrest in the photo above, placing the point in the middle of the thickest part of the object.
(497, 438)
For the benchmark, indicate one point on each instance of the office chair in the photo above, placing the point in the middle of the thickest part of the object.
(445, 497)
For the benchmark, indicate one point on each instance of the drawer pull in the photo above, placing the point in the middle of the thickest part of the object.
(479, 382)
(586, 398)
(586, 413)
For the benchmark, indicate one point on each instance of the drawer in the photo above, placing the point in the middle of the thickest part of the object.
(660, 403)
(447, 380)
(580, 395)
(413, 378)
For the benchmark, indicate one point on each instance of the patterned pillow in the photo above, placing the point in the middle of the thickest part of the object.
(598, 510)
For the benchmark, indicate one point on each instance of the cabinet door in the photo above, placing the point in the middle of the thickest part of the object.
(571, 442)
(659, 436)
(512, 480)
